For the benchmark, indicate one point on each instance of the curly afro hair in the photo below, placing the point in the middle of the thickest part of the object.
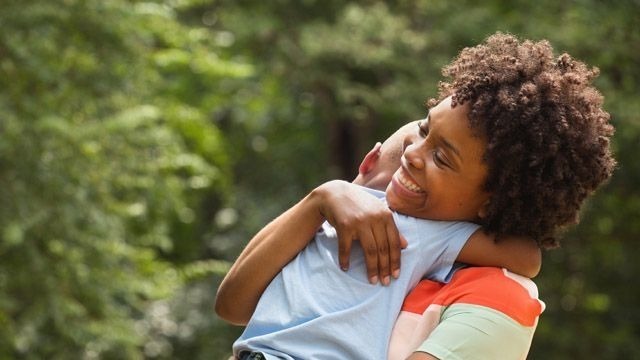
(547, 134)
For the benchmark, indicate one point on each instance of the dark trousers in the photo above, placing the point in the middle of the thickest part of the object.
(251, 355)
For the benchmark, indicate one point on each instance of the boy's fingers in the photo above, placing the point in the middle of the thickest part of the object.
(370, 248)
(403, 242)
(380, 235)
(344, 249)
(395, 244)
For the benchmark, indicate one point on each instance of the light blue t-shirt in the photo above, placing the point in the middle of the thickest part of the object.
(314, 310)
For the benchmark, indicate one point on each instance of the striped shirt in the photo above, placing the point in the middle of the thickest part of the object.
(483, 313)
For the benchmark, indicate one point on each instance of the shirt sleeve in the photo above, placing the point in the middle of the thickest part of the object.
(476, 332)
(453, 238)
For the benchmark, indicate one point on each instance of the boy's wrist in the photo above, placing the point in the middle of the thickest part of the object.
(319, 197)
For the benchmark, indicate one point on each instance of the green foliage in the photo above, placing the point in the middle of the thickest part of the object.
(103, 163)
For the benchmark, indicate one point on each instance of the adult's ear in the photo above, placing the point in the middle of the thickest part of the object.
(370, 160)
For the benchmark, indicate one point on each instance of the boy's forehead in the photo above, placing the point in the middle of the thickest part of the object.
(446, 106)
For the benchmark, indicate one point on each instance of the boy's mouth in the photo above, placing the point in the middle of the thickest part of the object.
(408, 183)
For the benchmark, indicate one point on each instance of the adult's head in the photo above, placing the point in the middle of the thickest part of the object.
(547, 136)
(383, 160)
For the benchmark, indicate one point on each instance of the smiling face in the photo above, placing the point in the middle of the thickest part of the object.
(442, 172)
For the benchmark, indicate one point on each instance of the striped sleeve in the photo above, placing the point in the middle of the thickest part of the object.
(483, 313)
(475, 332)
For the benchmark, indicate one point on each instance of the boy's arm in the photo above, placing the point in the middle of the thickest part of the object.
(517, 254)
(263, 257)
(355, 214)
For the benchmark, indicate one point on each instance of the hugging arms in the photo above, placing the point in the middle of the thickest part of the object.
(356, 216)
(278, 242)
(515, 142)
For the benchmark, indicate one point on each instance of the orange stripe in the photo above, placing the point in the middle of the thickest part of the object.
(483, 286)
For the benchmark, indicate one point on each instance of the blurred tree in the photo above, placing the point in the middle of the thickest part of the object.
(110, 173)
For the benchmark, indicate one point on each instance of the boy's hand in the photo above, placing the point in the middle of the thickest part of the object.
(357, 215)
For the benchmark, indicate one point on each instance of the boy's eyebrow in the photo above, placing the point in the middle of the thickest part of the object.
(450, 146)
(446, 143)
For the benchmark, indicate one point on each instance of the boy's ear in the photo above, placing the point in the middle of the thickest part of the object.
(482, 212)
(370, 160)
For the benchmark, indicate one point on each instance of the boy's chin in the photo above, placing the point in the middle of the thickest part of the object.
(395, 207)
(387, 190)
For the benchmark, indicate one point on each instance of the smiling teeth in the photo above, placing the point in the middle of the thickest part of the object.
(409, 184)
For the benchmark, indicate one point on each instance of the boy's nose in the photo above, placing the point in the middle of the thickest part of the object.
(411, 154)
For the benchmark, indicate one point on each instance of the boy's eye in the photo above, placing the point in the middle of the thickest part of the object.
(438, 158)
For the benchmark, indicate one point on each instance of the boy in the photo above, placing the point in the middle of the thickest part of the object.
(549, 137)
(476, 120)
(311, 306)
